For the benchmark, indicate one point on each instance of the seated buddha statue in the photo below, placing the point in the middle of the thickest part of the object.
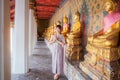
(49, 32)
(76, 29)
(74, 39)
(103, 47)
(109, 35)
(66, 27)
(59, 23)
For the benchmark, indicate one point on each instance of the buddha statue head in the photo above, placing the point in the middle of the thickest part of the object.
(77, 16)
(65, 19)
(54, 25)
(59, 23)
(110, 5)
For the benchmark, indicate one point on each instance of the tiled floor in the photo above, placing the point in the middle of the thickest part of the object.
(40, 65)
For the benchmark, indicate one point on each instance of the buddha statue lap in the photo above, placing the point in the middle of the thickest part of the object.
(74, 40)
(103, 47)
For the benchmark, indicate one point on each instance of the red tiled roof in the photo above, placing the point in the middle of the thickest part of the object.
(12, 9)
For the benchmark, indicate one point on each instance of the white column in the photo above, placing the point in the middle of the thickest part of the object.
(35, 32)
(32, 31)
(5, 68)
(21, 37)
(31, 25)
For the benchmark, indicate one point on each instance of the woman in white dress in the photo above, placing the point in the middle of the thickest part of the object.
(58, 42)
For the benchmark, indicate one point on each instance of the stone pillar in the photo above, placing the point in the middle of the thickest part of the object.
(5, 67)
(21, 28)
(31, 25)
(35, 32)
(32, 31)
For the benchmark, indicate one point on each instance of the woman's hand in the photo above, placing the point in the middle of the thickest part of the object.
(63, 44)
(51, 43)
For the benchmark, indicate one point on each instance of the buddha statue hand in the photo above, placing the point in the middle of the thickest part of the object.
(68, 34)
(90, 35)
(71, 33)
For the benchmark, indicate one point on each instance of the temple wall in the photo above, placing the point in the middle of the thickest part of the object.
(92, 14)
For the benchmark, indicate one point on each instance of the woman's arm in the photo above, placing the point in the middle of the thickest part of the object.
(52, 40)
(60, 42)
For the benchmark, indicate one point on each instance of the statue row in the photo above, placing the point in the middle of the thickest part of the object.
(72, 38)
(103, 57)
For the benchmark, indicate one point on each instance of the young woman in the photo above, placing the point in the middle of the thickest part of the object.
(58, 52)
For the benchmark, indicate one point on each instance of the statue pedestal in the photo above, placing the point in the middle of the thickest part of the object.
(73, 72)
(101, 63)
(73, 53)
(73, 49)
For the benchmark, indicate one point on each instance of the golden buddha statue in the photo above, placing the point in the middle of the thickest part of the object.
(66, 27)
(103, 47)
(59, 23)
(49, 32)
(76, 30)
(109, 36)
(74, 39)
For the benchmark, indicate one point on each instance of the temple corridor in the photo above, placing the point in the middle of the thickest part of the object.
(59, 39)
(40, 65)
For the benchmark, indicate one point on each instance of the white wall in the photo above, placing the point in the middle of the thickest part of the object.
(5, 69)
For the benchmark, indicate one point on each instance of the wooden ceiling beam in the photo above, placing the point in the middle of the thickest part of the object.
(12, 16)
(47, 5)
(12, 11)
(12, 3)
(12, 7)
(44, 16)
(46, 11)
